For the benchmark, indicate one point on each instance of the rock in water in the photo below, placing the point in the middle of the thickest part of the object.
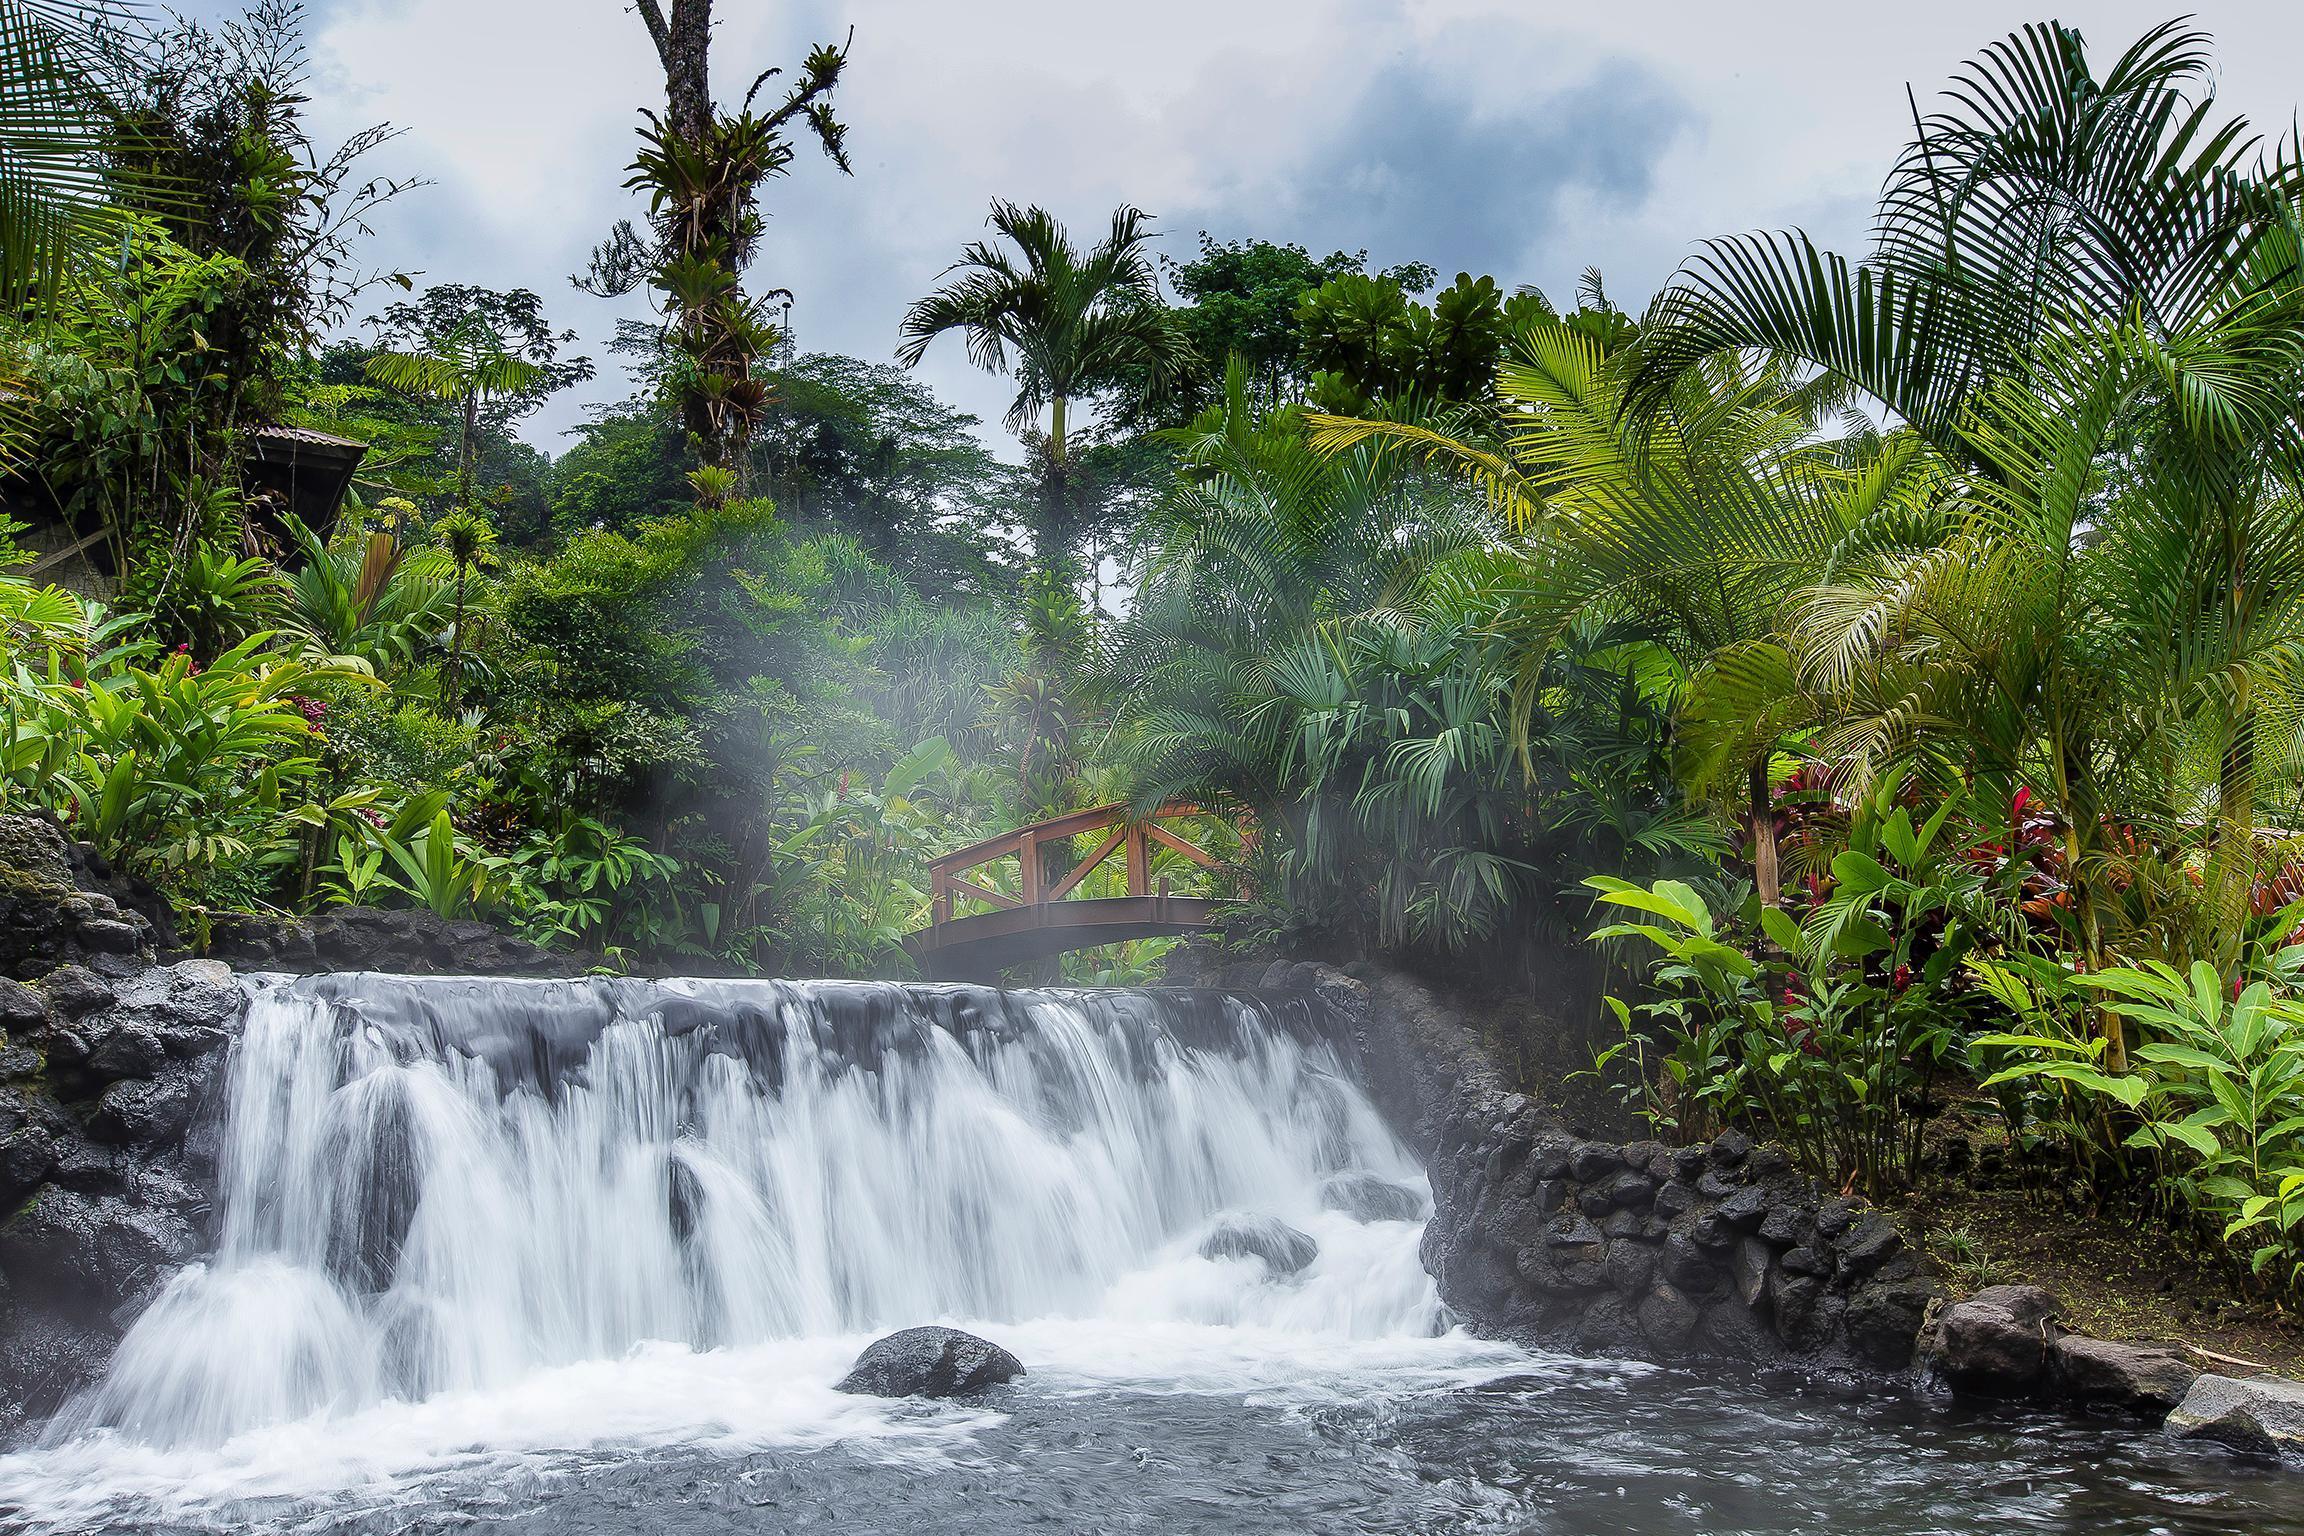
(1365, 1196)
(929, 1362)
(1995, 1344)
(1283, 1249)
(2263, 1415)
(2140, 1378)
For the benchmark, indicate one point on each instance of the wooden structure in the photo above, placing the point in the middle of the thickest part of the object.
(282, 469)
(1044, 916)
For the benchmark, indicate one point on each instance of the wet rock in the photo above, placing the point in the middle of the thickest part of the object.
(27, 1152)
(127, 1050)
(1283, 1249)
(1675, 1199)
(1668, 1317)
(2263, 1416)
(1730, 1148)
(21, 1008)
(1687, 1265)
(1792, 1302)
(1805, 1261)
(1630, 1265)
(2139, 1378)
(98, 1247)
(1628, 1189)
(929, 1362)
(1609, 1327)
(1550, 1158)
(74, 991)
(1731, 1329)
(1745, 1209)
(684, 1198)
(1868, 1244)
(1883, 1320)
(109, 936)
(411, 942)
(1573, 1231)
(1365, 1196)
(1624, 1224)
(1592, 1161)
(1785, 1225)
(1748, 1267)
(148, 1112)
(1996, 1343)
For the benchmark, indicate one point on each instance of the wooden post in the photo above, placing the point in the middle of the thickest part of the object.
(1139, 861)
(1028, 857)
(940, 910)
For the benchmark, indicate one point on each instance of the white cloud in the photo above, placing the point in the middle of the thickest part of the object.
(1250, 112)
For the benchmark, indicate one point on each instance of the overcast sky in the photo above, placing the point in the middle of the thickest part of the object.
(1523, 138)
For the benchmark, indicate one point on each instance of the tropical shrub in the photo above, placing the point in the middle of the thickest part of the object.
(2215, 1095)
(1835, 1037)
(183, 772)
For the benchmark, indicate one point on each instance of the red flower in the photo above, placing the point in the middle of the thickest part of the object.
(1902, 978)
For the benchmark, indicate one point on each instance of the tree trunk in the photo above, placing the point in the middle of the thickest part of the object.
(464, 448)
(1766, 875)
(456, 646)
(684, 46)
(1051, 549)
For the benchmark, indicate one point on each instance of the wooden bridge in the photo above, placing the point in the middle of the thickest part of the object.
(1044, 916)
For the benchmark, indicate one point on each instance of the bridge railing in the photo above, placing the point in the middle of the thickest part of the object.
(951, 882)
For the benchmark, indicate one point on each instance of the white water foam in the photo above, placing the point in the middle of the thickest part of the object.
(452, 1238)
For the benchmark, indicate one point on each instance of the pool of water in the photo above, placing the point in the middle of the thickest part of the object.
(1168, 1428)
(588, 1257)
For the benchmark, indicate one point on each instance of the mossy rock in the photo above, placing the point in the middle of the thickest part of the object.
(32, 853)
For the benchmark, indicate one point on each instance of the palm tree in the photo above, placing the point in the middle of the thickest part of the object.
(1067, 324)
(55, 129)
(56, 205)
(469, 366)
(1258, 547)
(1693, 528)
(470, 542)
(2084, 293)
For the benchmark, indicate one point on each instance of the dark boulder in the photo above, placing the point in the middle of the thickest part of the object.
(125, 1050)
(929, 1362)
(96, 1247)
(1996, 1343)
(145, 1112)
(74, 991)
(2138, 1378)
(1668, 1318)
(1283, 1249)
(1365, 1196)
(1883, 1320)
(21, 1008)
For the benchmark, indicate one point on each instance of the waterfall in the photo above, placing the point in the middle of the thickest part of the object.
(434, 1186)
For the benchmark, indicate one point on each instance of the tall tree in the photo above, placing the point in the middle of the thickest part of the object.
(702, 168)
(490, 358)
(1069, 325)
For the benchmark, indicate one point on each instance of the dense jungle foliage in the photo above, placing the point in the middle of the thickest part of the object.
(1897, 659)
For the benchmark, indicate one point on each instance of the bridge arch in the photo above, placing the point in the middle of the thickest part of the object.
(1045, 916)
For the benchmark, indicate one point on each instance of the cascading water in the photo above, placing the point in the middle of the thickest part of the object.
(435, 1186)
(599, 1249)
